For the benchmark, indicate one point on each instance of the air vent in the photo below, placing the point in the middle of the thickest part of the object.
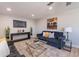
(68, 3)
(50, 3)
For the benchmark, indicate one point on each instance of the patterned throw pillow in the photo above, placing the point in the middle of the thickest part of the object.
(46, 34)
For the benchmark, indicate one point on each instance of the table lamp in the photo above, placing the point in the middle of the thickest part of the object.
(68, 30)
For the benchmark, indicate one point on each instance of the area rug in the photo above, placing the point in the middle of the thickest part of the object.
(14, 52)
(29, 48)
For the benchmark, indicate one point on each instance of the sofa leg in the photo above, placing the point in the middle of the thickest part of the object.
(59, 48)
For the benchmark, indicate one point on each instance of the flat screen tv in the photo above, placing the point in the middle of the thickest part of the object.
(19, 24)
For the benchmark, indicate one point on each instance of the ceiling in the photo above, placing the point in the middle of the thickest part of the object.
(39, 9)
(26, 9)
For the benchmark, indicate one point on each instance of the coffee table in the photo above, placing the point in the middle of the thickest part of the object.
(35, 48)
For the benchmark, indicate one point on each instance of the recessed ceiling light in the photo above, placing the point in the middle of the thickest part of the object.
(33, 15)
(8, 9)
(50, 8)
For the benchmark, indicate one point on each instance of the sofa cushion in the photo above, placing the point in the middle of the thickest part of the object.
(52, 40)
(58, 34)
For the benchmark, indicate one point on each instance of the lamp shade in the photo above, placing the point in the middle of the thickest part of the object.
(68, 29)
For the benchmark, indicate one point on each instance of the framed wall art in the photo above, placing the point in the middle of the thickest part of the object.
(52, 23)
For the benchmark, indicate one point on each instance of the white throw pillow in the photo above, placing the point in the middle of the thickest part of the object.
(51, 35)
(43, 33)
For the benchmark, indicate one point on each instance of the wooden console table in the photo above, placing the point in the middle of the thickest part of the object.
(26, 35)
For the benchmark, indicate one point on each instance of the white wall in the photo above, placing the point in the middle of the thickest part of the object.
(71, 19)
(68, 18)
(8, 21)
(41, 25)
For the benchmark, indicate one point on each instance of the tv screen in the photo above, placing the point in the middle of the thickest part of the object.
(19, 24)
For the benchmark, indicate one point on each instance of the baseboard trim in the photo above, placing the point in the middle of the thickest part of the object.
(76, 46)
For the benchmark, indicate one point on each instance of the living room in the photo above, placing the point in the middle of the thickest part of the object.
(21, 26)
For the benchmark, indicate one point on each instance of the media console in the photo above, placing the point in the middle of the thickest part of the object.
(20, 36)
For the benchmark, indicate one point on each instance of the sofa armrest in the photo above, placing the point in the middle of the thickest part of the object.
(39, 35)
(61, 38)
(61, 41)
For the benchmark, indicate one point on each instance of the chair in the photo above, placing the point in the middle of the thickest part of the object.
(4, 49)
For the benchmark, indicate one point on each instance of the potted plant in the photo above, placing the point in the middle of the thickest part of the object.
(7, 32)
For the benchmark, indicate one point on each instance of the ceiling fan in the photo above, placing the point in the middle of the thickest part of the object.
(67, 3)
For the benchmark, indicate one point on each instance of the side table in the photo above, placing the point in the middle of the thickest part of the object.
(68, 45)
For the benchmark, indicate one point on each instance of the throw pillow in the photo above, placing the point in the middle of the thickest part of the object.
(51, 35)
(46, 34)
